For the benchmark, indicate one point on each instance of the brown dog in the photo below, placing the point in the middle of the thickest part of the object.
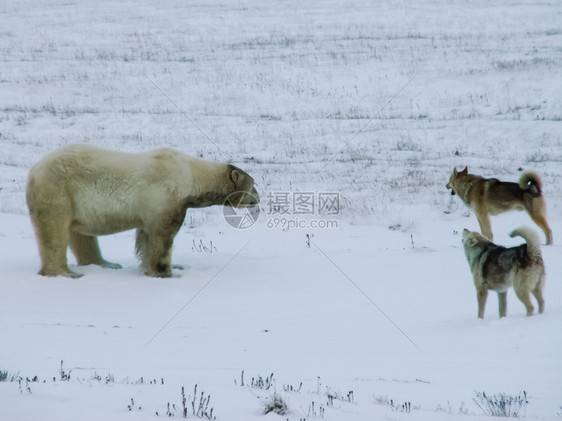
(490, 196)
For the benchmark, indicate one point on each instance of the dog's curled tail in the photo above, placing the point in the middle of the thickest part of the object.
(531, 182)
(532, 239)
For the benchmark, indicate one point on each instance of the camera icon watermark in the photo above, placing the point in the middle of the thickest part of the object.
(240, 216)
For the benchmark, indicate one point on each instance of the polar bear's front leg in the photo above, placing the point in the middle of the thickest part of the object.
(155, 251)
(161, 263)
(155, 240)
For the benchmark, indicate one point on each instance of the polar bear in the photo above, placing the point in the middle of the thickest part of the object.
(79, 192)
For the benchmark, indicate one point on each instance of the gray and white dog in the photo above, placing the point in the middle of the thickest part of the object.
(497, 268)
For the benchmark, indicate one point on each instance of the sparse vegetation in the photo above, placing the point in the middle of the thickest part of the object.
(132, 406)
(258, 382)
(395, 406)
(334, 396)
(276, 404)
(448, 409)
(316, 411)
(64, 376)
(502, 404)
(201, 247)
(291, 388)
(199, 406)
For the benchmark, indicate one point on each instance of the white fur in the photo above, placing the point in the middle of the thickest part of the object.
(79, 192)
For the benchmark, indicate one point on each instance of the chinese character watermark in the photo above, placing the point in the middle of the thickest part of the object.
(329, 203)
(303, 203)
(289, 210)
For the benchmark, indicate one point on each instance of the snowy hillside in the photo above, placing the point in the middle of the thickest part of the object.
(361, 311)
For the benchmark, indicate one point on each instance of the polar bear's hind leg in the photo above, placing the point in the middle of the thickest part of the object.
(53, 240)
(87, 252)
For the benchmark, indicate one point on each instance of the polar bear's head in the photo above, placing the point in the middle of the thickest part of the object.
(244, 194)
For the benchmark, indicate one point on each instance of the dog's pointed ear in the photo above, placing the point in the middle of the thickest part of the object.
(455, 172)
(465, 171)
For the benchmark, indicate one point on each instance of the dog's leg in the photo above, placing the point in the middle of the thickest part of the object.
(502, 302)
(537, 292)
(485, 226)
(481, 295)
(523, 295)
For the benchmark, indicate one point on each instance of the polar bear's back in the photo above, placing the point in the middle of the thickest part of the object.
(86, 158)
(87, 164)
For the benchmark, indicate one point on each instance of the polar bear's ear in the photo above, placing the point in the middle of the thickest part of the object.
(236, 176)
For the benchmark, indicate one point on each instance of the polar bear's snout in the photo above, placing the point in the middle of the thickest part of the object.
(244, 199)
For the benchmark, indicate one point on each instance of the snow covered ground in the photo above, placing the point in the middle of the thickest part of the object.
(376, 102)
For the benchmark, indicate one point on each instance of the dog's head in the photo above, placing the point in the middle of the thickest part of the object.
(473, 242)
(453, 179)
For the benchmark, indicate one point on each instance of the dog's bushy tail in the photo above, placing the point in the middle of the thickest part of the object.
(531, 182)
(532, 239)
